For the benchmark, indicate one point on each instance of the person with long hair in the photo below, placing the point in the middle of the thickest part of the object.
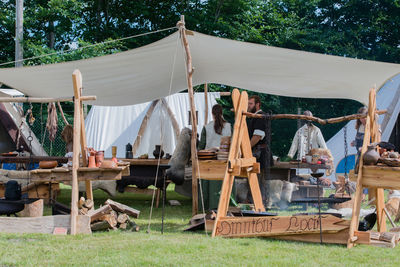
(215, 129)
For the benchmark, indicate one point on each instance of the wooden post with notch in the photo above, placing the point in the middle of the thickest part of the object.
(189, 69)
(79, 145)
(77, 83)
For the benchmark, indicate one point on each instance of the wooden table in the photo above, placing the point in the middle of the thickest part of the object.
(84, 173)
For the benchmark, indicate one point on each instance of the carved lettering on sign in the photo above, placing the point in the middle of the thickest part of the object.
(274, 225)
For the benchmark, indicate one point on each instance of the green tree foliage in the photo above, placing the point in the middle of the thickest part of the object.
(365, 29)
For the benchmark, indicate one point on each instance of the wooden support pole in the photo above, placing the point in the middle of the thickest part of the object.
(189, 69)
(43, 99)
(62, 113)
(143, 126)
(77, 83)
(205, 104)
(311, 118)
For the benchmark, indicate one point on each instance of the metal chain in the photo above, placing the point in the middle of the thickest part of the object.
(346, 151)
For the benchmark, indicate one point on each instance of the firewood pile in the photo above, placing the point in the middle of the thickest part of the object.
(111, 216)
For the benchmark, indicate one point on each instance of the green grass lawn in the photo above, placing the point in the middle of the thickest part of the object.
(175, 247)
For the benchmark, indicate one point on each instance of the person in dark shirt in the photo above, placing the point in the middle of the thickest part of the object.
(256, 128)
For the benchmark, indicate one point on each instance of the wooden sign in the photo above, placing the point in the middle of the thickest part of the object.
(278, 225)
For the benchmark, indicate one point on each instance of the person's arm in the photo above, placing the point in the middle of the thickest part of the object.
(295, 144)
(203, 139)
(254, 140)
(259, 132)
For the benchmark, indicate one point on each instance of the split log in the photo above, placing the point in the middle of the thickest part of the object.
(99, 226)
(122, 218)
(81, 202)
(375, 235)
(96, 214)
(83, 211)
(123, 226)
(387, 237)
(132, 225)
(123, 208)
(89, 204)
(112, 221)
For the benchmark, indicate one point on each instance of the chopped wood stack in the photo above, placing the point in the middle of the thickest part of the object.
(112, 215)
(385, 239)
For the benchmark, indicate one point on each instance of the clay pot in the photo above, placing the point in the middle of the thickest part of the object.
(99, 158)
(371, 156)
(47, 164)
(92, 162)
(158, 152)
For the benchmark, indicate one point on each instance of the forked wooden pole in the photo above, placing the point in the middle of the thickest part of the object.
(189, 69)
(77, 83)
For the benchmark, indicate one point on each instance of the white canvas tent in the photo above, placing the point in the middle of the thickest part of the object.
(388, 97)
(117, 126)
(143, 74)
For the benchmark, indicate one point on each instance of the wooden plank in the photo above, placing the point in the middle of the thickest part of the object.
(277, 225)
(381, 177)
(44, 224)
(84, 174)
(327, 238)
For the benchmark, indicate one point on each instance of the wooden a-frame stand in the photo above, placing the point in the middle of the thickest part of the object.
(240, 156)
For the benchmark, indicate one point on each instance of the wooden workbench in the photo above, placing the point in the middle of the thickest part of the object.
(84, 174)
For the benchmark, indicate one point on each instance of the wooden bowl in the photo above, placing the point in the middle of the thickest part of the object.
(108, 164)
(48, 164)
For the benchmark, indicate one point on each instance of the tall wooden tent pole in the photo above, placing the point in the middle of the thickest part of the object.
(182, 30)
(77, 83)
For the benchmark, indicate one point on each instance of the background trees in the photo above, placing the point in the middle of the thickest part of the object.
(365, 29)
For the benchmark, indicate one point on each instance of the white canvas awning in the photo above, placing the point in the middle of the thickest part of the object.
(144, 74)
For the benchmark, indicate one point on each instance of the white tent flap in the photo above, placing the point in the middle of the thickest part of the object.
(118, 126)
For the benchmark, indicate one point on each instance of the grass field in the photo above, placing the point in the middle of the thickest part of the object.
(175, 247)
